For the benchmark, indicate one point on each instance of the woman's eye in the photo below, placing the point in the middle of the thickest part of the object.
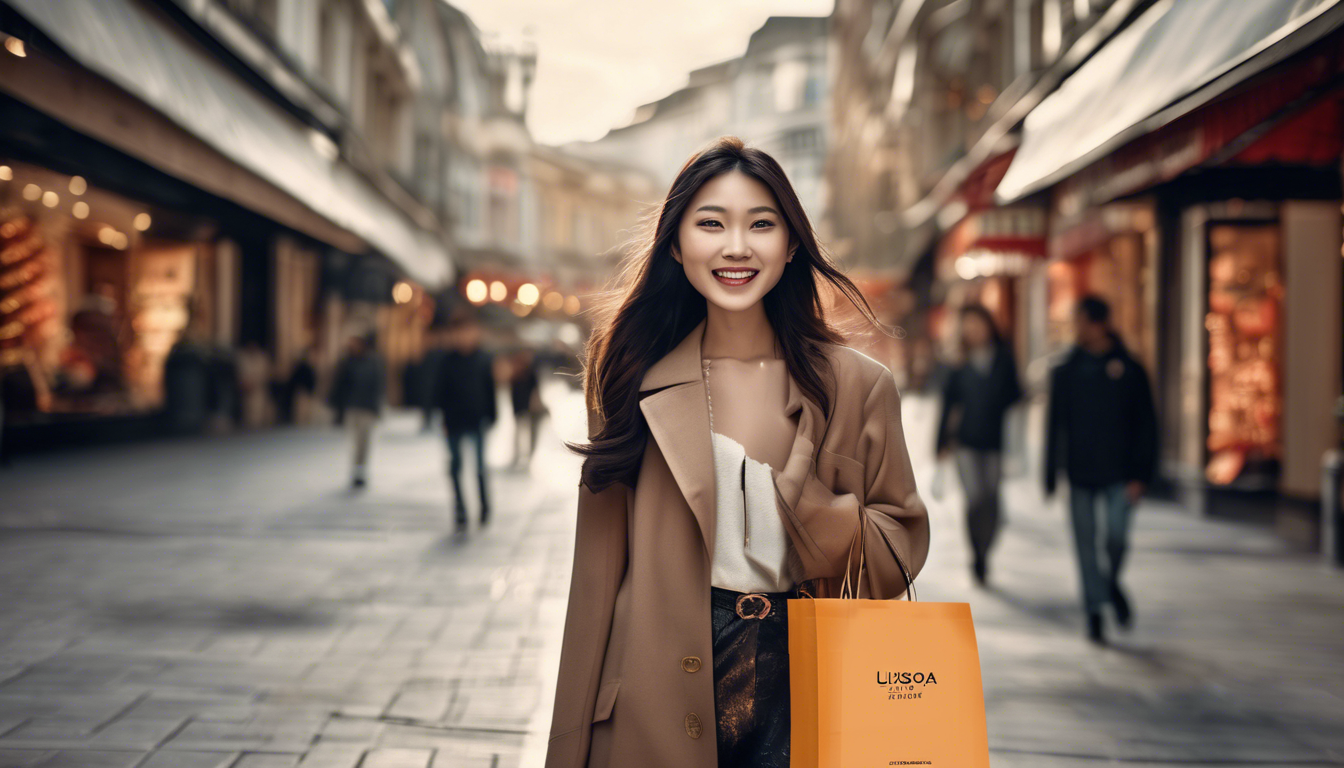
(710, 223)
(765, 222)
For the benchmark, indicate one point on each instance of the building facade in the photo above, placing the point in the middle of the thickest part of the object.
(195, 194)
(774, 97)
(1033, 151)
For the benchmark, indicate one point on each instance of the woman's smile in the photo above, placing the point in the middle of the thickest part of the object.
(735, 276)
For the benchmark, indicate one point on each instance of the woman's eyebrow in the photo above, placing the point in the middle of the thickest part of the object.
(721, 209)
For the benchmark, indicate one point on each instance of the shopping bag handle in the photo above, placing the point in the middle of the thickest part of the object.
(850, 589)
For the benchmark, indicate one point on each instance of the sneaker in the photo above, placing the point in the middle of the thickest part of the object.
(1123, 615)
(1095, 629)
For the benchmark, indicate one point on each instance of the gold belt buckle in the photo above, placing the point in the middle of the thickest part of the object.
(764, 611)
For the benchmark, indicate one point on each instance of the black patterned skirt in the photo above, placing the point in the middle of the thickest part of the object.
(751, 677)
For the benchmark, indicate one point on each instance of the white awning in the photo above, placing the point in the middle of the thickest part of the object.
(1174, 58)
(142, 52)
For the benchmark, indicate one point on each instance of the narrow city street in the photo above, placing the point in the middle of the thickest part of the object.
(228, 603)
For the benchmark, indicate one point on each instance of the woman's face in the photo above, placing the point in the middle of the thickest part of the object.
(732, 241)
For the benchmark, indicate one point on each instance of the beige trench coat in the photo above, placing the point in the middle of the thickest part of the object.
(636, 685)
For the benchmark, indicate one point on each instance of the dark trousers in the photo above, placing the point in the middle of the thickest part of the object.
(455, 438)
(751, 680)
(981, 474)
(1096, 579)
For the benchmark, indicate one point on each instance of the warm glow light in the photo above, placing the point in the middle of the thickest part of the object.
(498, 291)
(6, 173)
(50, 199)
(572, 305)
(120, 241)
(32, 192)
(80, 209)
(528, 294)
(519, 309)
(78, 185)
(966, 268)
(15, 46)
(402, 292)
(106, 235)
(476, 291)
(554, 300)
(142, 222)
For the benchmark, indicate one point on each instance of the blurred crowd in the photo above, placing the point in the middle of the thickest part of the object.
(1100, 433)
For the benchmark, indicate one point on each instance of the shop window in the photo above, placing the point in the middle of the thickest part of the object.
(1245, 298)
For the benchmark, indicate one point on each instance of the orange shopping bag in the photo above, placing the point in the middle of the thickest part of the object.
(884, 683)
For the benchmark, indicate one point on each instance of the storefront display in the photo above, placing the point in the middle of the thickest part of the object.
(1243, 324)
(89, 306)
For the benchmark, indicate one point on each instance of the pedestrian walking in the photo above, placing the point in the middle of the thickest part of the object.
(976, 398)
(528, 408)
(357, 396)
(301, 387)
(737, 449)
(1102, 432)
(465, 390)
(427, 378)
(254, 385)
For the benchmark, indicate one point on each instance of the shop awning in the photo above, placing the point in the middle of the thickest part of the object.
(142, 52)
(1174, 58)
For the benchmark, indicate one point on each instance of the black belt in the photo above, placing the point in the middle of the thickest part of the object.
(752, 605)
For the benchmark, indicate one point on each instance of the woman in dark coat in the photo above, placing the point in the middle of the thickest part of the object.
(975, 400)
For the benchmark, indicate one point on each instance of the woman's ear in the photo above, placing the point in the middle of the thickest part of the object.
(676, 253)
(793, 248)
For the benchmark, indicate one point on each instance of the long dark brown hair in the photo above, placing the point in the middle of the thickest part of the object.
(651, 306)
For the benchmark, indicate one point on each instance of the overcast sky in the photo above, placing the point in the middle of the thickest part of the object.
(599, 59)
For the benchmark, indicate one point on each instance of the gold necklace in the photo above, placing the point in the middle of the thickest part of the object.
(709, 402)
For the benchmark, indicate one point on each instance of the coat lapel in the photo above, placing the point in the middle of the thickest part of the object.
(678, 418)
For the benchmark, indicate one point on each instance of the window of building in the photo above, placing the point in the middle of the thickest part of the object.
(327, 46)
(789, 80)
(261, 14)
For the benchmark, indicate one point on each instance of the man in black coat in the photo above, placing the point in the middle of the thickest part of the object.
(465, 391)
(1102, 431)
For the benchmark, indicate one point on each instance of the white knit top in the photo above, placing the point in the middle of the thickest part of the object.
(750, 434)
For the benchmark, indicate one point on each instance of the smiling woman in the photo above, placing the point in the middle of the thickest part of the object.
(737, 450)
(733, 237)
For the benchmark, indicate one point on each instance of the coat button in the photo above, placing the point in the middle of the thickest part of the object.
(691, 663)
(693, 727)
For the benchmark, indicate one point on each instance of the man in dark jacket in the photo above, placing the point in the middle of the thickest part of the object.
(465, 392)
(357, 396)
(1102, 431)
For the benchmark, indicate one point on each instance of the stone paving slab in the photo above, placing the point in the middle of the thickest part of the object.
(227, 602)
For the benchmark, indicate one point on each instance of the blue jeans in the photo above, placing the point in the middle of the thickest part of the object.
(1083, 511)
(455, 437)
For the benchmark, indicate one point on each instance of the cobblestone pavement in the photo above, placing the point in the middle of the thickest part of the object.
(227, 603)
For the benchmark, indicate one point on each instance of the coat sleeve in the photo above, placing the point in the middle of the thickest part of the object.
(1143, 457)
(491, 406)
(1012, 382)
(1054, 431)
(600, 555)
(896, 522)
(950, 403)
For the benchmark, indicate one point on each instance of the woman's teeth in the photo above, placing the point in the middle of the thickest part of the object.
(734, 276)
